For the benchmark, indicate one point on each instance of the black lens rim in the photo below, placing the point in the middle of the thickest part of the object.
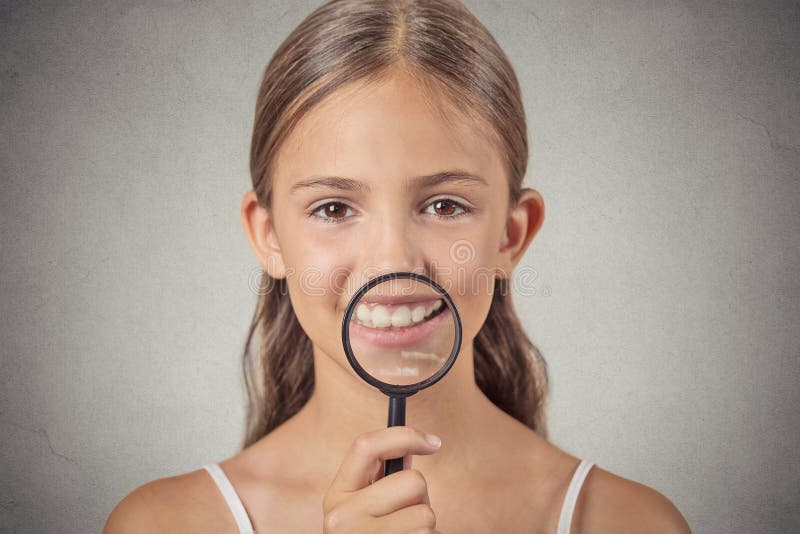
(396, 390)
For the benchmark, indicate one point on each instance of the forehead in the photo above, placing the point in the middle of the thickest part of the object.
(385, 131)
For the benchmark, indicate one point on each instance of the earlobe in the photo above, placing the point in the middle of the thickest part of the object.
(261, 234)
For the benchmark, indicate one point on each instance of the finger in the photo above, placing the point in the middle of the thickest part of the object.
(408, 461)
(402, 489)
(369, 450)
(381, 467)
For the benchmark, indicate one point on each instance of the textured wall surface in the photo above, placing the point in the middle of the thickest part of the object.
(665, 140)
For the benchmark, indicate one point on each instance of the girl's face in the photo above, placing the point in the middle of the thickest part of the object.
(386, 210)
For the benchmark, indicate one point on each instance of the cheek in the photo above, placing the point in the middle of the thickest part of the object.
(313, 272)
(313, 265)
(472, 295)
(467, 273)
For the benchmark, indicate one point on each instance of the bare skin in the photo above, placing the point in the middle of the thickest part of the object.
(491, 473)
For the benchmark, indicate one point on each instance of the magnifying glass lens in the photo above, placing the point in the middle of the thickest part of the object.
(402, 331)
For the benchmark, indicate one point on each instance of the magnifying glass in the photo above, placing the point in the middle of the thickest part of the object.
(401, 333)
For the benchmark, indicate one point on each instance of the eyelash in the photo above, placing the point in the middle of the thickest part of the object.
(333, 220)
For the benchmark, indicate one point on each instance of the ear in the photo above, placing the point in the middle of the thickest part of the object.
(524, 220)
(261, 233)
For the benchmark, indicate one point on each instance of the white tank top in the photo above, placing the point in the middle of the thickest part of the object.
(246, 527)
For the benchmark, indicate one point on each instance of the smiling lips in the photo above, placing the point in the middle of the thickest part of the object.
(385, 315)
(414, 335)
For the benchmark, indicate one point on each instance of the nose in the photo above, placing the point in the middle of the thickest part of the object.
(392, 244)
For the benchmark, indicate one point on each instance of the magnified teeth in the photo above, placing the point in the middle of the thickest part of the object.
(380, 317)
(362, 313)
(401, 316)
(433, 307)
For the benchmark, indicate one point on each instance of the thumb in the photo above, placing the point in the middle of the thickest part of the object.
(408, 461)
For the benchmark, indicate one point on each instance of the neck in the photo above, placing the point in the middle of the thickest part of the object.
(343, 406)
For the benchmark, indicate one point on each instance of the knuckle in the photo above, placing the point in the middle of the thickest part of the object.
(416, 475)
(362, 445)
(331, 521)
(427, 517)
(412, 433)
(416, 480)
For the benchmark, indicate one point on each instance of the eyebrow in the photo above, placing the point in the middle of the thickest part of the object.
(418, 182)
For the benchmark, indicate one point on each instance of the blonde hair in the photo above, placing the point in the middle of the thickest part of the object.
(458, 66)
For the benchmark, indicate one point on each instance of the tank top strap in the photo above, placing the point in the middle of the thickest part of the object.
(231, 497)
(565, 519)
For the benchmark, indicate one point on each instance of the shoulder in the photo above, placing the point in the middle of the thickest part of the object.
(606, 502)
(189, 502)
(611, 503)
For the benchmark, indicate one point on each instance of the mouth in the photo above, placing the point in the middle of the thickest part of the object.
(394, 327)
(395, 316)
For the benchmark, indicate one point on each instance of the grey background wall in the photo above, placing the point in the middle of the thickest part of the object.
(665, 139)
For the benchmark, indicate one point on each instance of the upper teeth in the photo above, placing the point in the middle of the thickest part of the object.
(381, 317)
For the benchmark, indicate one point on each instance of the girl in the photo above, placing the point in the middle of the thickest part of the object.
(391, 136)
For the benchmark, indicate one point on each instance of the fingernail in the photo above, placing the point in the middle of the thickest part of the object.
(433, 440)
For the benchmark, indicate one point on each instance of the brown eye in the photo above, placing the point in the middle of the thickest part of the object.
(445, 208)
(330, 212)
(331, 209)
(448, 209)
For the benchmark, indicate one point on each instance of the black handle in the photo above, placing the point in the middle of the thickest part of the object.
(397, 417)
